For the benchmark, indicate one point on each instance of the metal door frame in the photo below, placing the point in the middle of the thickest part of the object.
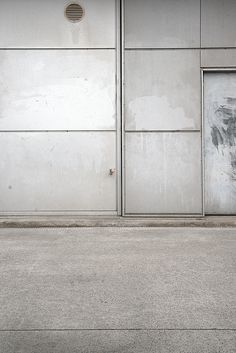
(203, 71)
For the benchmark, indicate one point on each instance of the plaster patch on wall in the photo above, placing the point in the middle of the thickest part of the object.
(143, 110)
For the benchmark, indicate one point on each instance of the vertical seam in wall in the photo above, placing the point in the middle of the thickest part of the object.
(202, 143)
(122, 31)
(118, 115)
(202, 122)
(200, 23)
(121, 106)
(200, 33)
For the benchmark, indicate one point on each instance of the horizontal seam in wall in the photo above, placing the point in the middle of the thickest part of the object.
(56, 48)
(119, 329)
(160, 131)
(189, 48)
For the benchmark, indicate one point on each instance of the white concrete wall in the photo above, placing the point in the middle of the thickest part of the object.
(57, 77)
(58, 108)
(166, 45)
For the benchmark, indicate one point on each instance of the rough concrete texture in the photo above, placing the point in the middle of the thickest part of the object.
(118, 290)
(118, 342)
(111, 221)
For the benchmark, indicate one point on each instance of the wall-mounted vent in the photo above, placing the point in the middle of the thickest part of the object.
(74, 12)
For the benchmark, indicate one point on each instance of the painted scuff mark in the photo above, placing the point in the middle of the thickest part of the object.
(223, 131)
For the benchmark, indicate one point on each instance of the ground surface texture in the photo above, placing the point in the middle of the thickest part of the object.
(118, 290)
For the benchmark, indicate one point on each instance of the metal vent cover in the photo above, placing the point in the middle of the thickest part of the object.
(74, 12)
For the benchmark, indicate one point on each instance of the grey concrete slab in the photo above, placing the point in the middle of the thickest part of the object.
(117, 278)
(118, 341)
(94, 31)
(218, 23)
(155, 175)
(162, 24)
(218, 58)
(62, 221)
(158, 92)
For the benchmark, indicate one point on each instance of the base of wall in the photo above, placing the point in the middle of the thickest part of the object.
(65, 221)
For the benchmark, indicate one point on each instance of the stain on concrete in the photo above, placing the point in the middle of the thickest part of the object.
(156, 111)
(233, 164)
(223, 130)
(217, 137)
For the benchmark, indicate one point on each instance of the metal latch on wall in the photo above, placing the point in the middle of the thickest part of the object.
(112, 171)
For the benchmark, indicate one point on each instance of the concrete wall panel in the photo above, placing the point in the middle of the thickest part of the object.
(218, 23)
(57, 171)
(162, 90)
(218, 58)
(35, 23)
(162, 23)
(163, 173)
(54, 90)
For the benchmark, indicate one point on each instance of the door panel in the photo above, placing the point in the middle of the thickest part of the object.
(58, 90)
(57, 171)
(163, 173)
(220, 142)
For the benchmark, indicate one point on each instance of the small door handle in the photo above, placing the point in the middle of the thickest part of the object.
(112, 171)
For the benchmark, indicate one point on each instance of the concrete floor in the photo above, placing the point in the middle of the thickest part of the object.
(108, 290)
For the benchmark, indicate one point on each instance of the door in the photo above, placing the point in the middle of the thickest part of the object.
(58, 107)
(220, 142)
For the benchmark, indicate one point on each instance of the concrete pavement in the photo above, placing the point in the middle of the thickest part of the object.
(117, 290)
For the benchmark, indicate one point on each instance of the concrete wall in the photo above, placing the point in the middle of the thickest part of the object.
(58, 108)
(166, 45)
(60, 84)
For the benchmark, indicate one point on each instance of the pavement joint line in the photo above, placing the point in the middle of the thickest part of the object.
(117, 329)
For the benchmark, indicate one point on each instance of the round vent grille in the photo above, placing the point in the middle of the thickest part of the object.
(74, 12)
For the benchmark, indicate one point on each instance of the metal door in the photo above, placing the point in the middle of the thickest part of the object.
(59, 127)
(220, 142)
